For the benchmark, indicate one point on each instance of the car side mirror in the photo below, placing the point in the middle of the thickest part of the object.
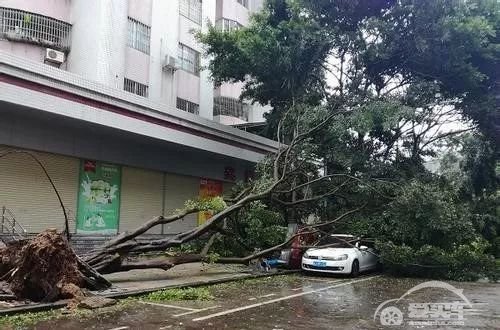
(363, 248)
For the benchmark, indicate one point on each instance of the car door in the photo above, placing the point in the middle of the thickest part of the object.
(372, 258)
(364, 259)
(367, 258)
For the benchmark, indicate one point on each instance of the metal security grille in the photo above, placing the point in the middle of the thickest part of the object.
(23, 26)
(189, 59)
(191, 9)
(135, 87)
(188, 106)
(139, 35)
(229, 106)
(225, 24)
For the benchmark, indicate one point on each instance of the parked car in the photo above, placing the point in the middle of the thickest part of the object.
(346, 258)
(292, 257)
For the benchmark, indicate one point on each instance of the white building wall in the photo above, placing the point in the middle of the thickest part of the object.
(58, 9)
(231, 9)
(164, 41)
(141, 10)
(99, 39)
(99, 49)
(188, 84)
(206, 84)
(137, 65)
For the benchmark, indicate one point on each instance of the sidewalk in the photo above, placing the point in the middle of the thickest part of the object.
(192, 274)
(136, 282)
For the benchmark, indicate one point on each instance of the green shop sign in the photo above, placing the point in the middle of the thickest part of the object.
(98, 198)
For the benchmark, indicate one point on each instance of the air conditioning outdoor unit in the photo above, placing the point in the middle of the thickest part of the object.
(170, 64)
(54, 56)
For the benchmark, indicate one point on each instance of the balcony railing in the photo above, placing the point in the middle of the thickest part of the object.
(23, 26)
(228, 106)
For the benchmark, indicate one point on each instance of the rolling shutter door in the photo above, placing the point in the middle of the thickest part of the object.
(25, 190)
(178, 189)
(141, 198)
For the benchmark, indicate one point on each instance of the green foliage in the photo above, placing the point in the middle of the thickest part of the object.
(401, 69)
(20, 321)
(425, 213)
(27, 320)
(428, 231)
(495, 247)
(212, 258)
(198, 293)
(464, 262)
(256, 227)
(215, 204)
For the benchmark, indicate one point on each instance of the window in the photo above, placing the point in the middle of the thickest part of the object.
(191, 9)
(189, 58)
(229, 106)
(23, 26)
(244, 3)
(138, 35)
(225, 24)
(188, 106)
(135, 87)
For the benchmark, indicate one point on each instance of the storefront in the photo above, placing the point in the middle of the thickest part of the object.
(101, 198)
(117, 160)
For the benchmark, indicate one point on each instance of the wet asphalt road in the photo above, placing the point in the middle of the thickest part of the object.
(306, 302)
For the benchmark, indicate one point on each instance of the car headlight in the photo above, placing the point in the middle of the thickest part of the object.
(306, 255)
(338, 258)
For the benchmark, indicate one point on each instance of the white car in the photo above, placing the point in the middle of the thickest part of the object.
(341, 259)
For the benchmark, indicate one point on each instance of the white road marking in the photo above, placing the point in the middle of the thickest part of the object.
(319, 280)
(234, 310)
(120, 328)
(168, 306)
(196, 311)
(253, 298)
(267, 295)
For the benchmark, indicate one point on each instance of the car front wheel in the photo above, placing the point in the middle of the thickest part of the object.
(355, 268)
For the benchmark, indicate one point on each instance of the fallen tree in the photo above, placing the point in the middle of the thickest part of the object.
(46, 268)
(288, 181)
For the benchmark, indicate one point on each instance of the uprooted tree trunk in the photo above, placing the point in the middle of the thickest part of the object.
(46, 268)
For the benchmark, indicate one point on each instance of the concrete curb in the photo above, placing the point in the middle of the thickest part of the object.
(121, 295)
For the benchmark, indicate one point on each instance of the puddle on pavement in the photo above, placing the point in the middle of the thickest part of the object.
(349, 306)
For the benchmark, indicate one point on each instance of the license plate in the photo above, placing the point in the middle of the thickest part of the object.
(319, 263)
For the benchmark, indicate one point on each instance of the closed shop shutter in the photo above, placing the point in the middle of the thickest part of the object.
(25, 190)
(178, 189)
(141, 198)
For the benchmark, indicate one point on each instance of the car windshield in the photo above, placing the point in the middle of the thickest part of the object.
(335, 239)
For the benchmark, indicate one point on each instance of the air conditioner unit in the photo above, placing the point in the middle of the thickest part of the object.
(54, 56)
(170, 63)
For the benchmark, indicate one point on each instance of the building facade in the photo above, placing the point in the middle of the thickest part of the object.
(145, 47)
(109, 95)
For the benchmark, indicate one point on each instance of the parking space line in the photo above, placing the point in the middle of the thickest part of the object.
(168, 306)
(234, 310)
(320, 280)
(196, 311)
(120, 328)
